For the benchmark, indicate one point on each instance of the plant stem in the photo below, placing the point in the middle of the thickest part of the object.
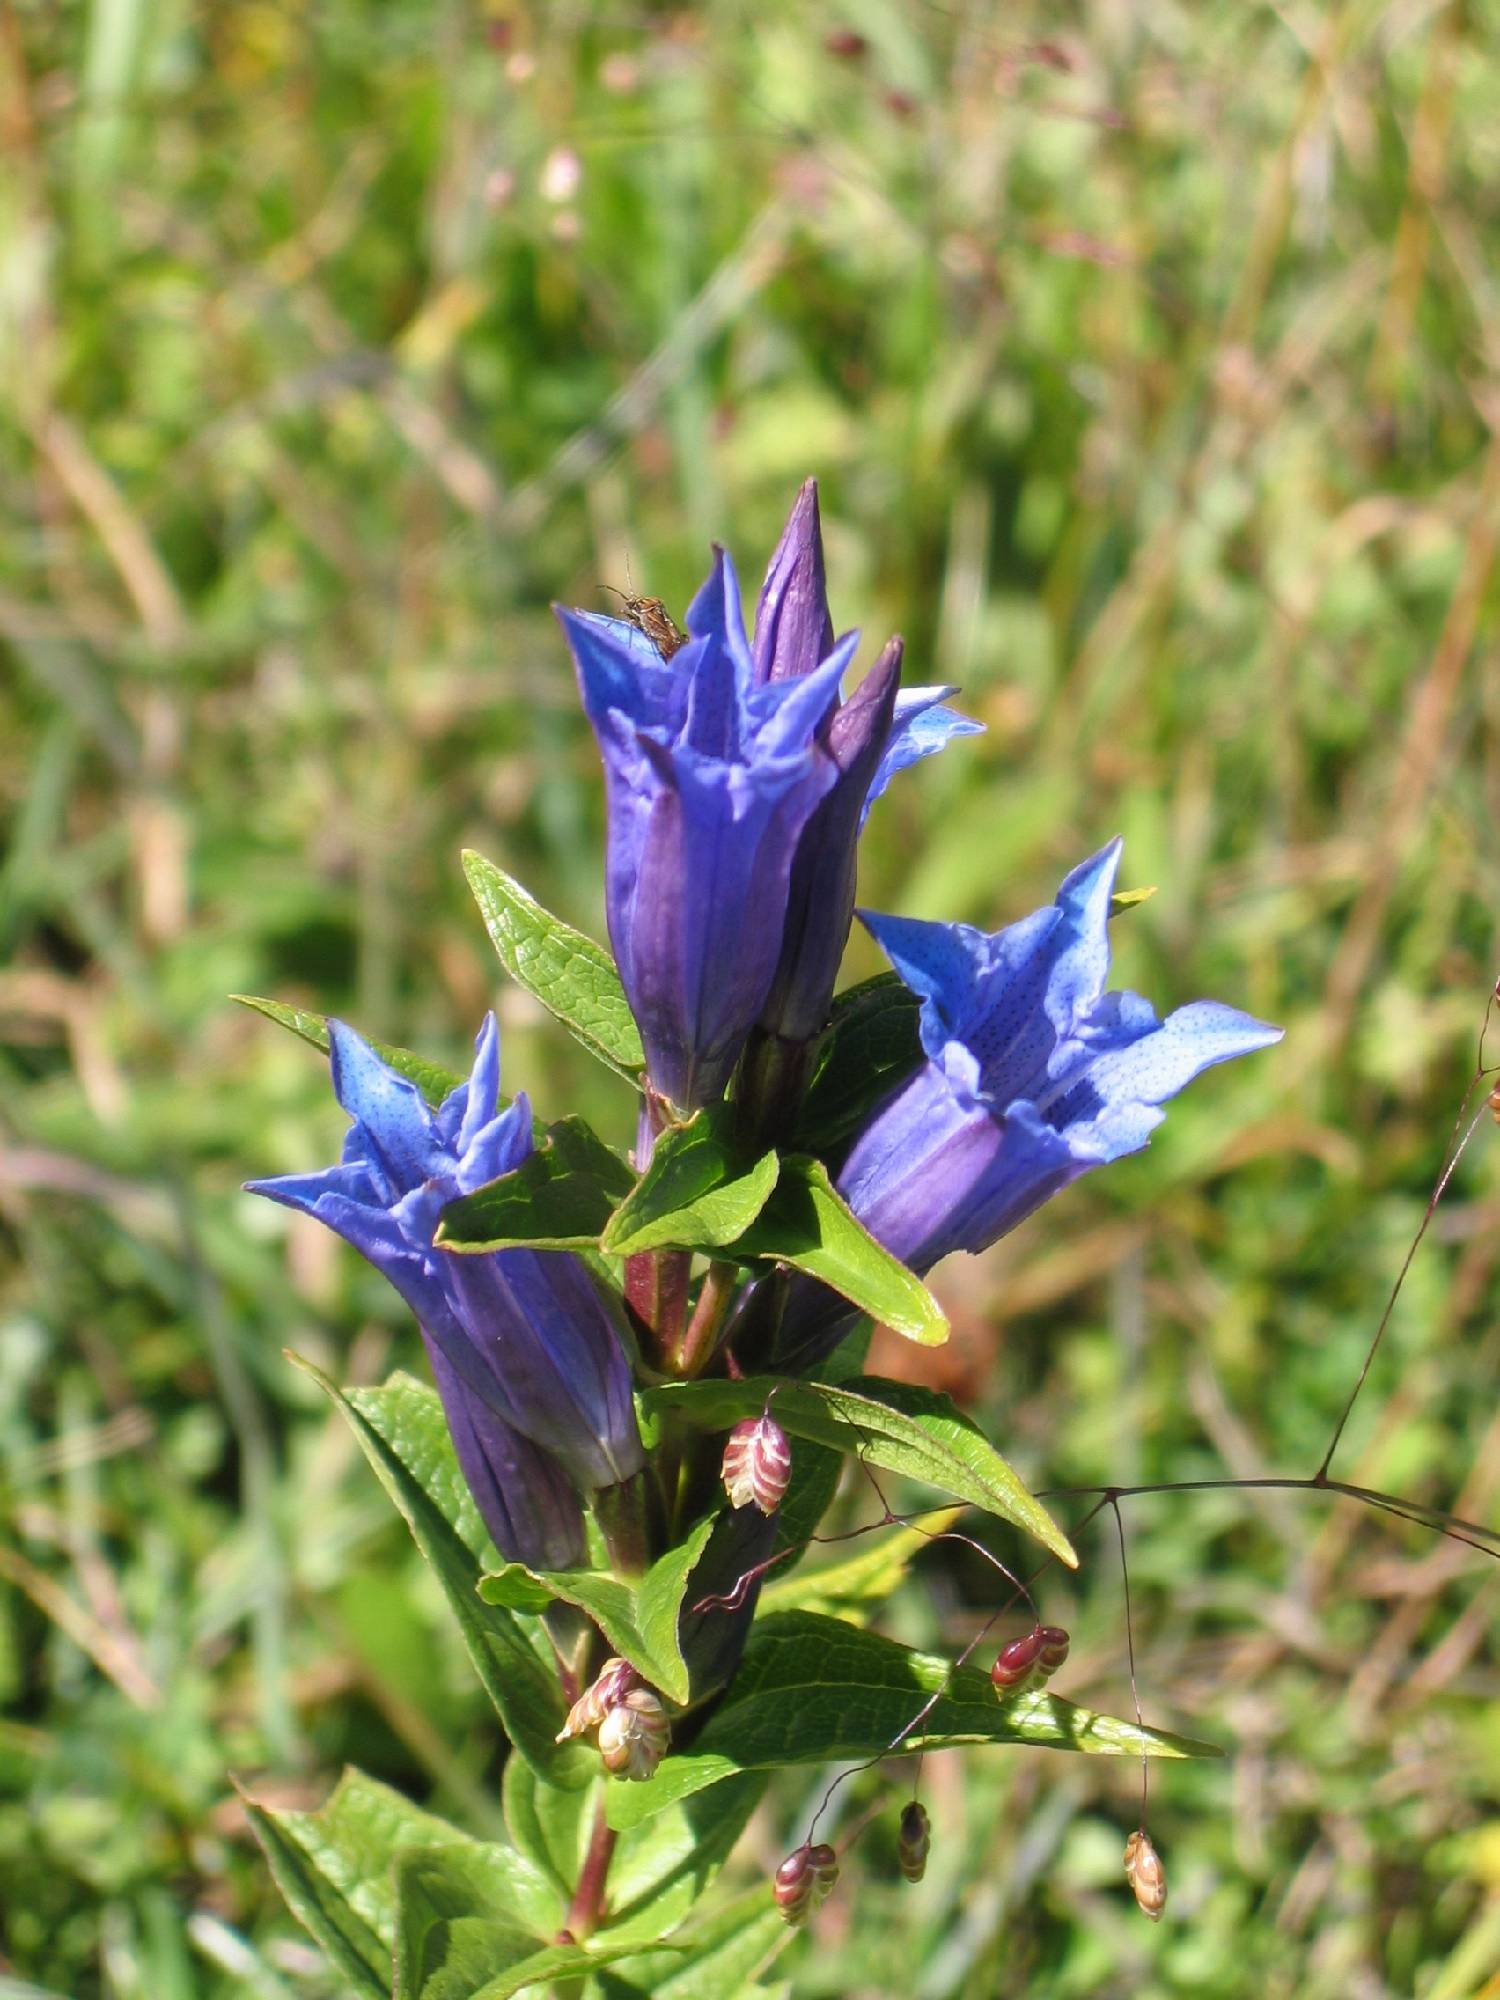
(586, 1911)
(656, 1290)
(623, 1515)
(701, 1334)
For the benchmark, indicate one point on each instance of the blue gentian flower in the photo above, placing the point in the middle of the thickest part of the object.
(737, 785)
(1034, 1075)
(527, 1352)
(710, 779)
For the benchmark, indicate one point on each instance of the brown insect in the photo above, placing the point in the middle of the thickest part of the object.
(651, 616)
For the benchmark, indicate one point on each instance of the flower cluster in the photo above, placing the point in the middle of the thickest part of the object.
(739, 776)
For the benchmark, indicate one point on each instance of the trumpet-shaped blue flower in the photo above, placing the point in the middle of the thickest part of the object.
(736, 786)
(1034, 1075)
(526, 1351)
(710, 780)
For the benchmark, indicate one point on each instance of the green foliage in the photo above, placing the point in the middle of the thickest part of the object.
(813, 1689)
(905, 1429)
(806, 1224)
(640, 1621)
(573, 977)
(401, 1431)
(697, 1193)
(561, 1197)
(871, 1046)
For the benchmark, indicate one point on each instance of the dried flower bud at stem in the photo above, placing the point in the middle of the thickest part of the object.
(914, 1842)
(1146, 1876)
(613, 1682)
(1030, 1661)
(634, 1735)
(804, 1880)
(757, 1464)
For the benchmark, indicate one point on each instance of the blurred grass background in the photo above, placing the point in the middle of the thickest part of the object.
(1149, 358)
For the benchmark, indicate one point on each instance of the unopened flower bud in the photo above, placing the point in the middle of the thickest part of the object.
(1015, 1667)
(914, 1841)
(614, 1681)
(1146, 1876)
(804, 1880)
(757, 1464)
(634, 1735)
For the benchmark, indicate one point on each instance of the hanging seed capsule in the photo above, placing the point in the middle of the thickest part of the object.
(634, 1735)
(1146, 1876)
(804, 1880)
(757, 1464)
(914, 1841)
(613, 1682)
(1015, 1667)
(1052, 1651)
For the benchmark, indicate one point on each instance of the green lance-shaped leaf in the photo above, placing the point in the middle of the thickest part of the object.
(401, 1431)
(640, 1621)
(431, 1078)
(813, 1690)
(334, 1867)
(573, 977)
(897, 1425)
(872, 1044)
(457, 1937)
(698, 1193)
(714, 1960)
(805, 1223)
(561, 1197)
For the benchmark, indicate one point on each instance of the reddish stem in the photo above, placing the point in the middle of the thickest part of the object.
(586, 1911)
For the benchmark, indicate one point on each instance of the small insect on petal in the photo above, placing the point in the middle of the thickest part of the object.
(1146, 1876)
(757, 1464)
(613, 1682)
(804, 1880)
(914, 1842)
(1016, 1665)
(634, 1736)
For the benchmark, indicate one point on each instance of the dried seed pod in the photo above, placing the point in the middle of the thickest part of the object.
(1052, 1651)
(914, 1841)
(1493, 1100)
(757, 1464)
(1146, 1876)
(1015, 1668)
(613, 1682)
(634, 1735)
(804, 1880)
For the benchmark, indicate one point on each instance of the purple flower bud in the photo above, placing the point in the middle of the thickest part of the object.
(610, 1686)
(1034, 1075)
(915, 1841)
(634, 1735)
(1146, 1876)
(868, 738)
(757, 1464)
(804, 1880)
(526, 1339)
